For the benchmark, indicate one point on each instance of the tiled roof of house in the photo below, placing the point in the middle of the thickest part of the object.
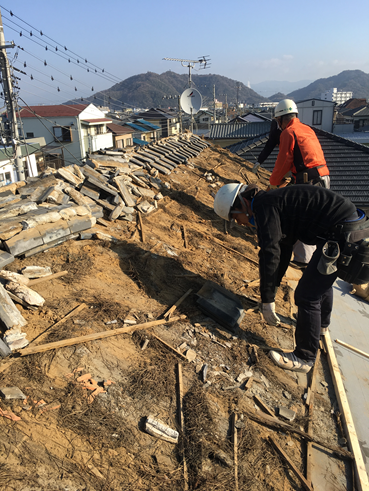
(52, 111)
(118, 129)
(348, 163)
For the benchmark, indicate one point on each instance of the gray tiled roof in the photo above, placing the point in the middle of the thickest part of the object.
(247, 130)
(348, 163)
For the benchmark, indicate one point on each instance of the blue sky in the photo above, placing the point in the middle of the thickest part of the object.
(249, 41)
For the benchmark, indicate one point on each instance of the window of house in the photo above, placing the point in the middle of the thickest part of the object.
(99, 130)
(128, 142)
(62, 133)
(313, 103)
(317, 117)
(206, 119)
(5, 178)
(30, 135)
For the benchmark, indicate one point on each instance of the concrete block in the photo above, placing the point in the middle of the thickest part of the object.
(4, 349)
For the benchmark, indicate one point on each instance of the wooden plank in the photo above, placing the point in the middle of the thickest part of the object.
(273, 422)
(311, 390)
(178, 302)
(92, 337)
(352, 348)
(217, 241)
(185, 237)
(178, 353)
(264, 406)
(295, 470)
(65, 318)
(141, 226)
(354, 445)
(235, 449)
(181, 424)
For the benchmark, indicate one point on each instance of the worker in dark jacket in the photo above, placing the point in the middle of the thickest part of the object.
(283, 216)
(273, 141)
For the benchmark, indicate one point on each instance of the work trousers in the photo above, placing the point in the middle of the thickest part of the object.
(314, 299)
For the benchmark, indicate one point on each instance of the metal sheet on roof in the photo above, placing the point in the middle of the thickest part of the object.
(137, 141)
(150, 125)
(138, 127)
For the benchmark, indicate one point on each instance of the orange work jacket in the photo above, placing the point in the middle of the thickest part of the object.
(299, 150)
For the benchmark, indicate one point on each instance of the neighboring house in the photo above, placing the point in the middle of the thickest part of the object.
(317, 113)
(122, 135)
(8, 174)
(166, 120)
(72, 131)
(204, 117)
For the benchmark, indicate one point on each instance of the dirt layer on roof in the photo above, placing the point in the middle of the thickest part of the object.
(68, 440)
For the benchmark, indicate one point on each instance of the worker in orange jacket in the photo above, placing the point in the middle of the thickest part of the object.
(299, 150)
(301, 155)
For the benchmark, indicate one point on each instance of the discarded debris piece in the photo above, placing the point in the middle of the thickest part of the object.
(9, 415)
(111, 322)
(352, 348)
(190, 355)
(263, 406)
(159, 429)
(26, 294)
(144, 344)
(83, 378)
(223, 458)
(106, 237)
(36, 271)
(204, 372)
(286, 413)
(14, 277)
(11, 393)
(4, 349)
(9, 314)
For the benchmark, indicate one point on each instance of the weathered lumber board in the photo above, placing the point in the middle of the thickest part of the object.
(95, 336)
(9, 313)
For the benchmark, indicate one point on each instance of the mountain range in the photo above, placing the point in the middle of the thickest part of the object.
(151, 89)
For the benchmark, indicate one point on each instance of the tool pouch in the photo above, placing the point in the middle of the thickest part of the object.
(353, 264)
(328, 262)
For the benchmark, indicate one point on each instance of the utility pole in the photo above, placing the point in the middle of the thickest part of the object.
(10, 106)
(215, 111)
(238, 88)
(226, 108)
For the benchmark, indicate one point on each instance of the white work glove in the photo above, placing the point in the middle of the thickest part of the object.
(255, 168)
(268, 311)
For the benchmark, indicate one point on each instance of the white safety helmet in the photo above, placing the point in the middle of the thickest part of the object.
(225, 198)
(287, 106)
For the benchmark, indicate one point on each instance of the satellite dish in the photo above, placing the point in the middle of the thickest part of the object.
(191, 101)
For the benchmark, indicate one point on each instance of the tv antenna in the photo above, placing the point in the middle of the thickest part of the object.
(202, 62)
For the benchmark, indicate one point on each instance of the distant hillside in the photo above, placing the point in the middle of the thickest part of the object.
(277, 97)
(276, 86)
(349, 80)
(148, 90)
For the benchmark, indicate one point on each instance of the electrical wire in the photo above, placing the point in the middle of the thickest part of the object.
(64, 47)
(70, 59)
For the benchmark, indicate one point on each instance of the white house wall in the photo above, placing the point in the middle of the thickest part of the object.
(306, 110)
(72, 150)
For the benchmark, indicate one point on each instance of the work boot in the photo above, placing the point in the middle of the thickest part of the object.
(289, 361)
(323, 331)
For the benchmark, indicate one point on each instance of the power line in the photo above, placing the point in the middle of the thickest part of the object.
(57, 43)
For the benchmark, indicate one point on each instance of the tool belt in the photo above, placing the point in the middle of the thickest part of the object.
(310, 176)
(347, 250)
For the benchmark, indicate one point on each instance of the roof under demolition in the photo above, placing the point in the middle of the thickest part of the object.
(147, 365)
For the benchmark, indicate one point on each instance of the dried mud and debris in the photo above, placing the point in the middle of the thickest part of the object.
(101, 444)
